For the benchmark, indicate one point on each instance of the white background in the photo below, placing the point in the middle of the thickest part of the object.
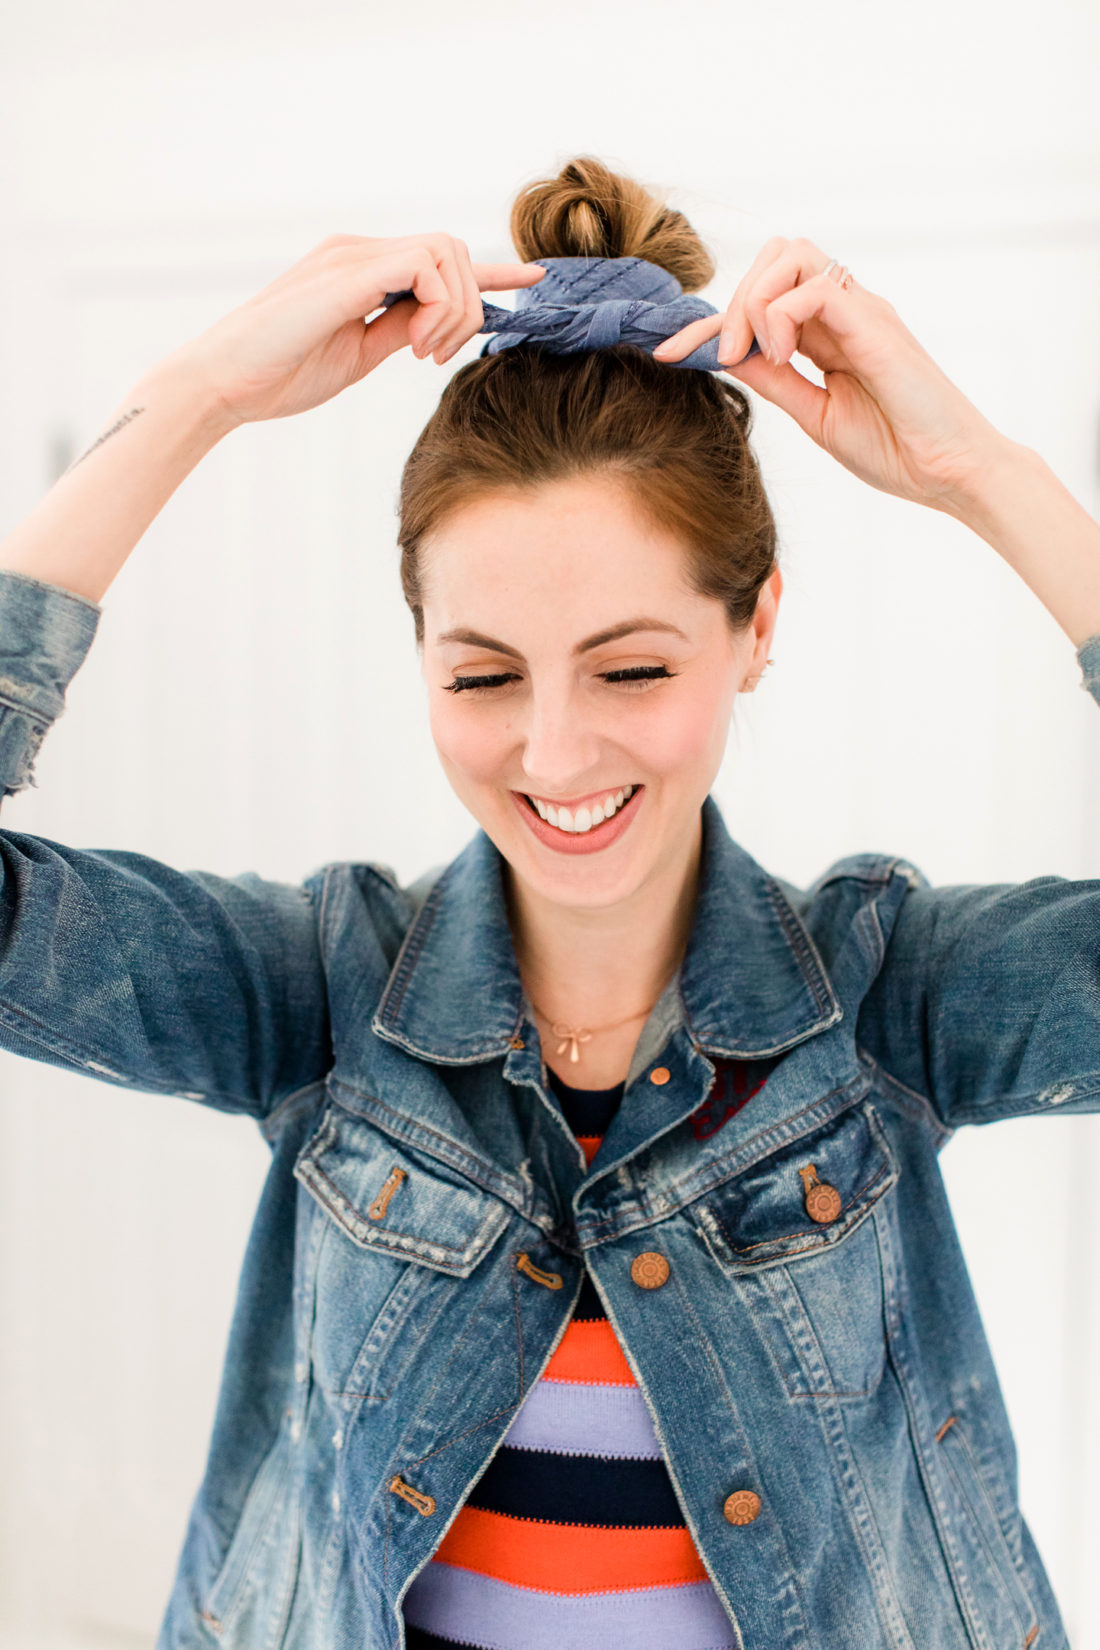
(252, 699)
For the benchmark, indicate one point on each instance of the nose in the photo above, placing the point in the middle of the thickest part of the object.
(560, 749)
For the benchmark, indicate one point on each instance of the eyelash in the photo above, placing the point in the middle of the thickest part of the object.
(633, 673)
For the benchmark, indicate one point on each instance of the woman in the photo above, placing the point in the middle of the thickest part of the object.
(603, 1285)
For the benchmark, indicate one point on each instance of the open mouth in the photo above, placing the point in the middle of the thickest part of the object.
(581, 821)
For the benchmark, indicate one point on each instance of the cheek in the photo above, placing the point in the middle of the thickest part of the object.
(470, 744)
(688, 730)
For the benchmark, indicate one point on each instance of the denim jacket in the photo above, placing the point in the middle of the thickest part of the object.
(816, 1342)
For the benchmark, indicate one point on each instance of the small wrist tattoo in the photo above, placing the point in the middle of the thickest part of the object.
(125, 419)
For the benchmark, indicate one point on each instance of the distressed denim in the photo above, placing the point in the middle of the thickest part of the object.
(823, 1351)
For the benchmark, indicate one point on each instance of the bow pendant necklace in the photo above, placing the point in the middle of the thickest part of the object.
(573, 1036)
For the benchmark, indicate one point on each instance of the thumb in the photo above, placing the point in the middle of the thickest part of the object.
(388, 332)
(784, 385)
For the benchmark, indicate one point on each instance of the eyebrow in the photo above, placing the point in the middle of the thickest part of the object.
(613, 633)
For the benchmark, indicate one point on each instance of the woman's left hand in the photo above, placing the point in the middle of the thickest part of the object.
(887, 411)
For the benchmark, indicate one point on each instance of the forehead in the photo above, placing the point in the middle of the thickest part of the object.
(571, 556)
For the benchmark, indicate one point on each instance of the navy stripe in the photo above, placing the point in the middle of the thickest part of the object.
(587, 1111)
(417, 1639)
(578, 1489)
(589, 1307)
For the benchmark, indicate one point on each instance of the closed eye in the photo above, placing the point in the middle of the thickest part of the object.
(630, 674)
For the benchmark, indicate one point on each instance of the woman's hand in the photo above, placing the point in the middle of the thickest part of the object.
(887, 411)
(305, 337)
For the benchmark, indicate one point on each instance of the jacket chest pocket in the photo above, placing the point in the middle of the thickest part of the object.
(398, 1233)
(795, 1235)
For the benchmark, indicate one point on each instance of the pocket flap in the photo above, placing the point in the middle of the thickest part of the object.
(391, 1198)
(803, 1198)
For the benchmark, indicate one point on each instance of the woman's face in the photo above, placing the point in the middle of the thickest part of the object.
(609, 692)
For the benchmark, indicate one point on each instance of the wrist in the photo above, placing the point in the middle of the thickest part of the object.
(1017, 504)
(982, 497)
(178, 378)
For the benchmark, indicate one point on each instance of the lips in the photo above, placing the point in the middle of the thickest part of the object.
(585, 815)
(593, 840)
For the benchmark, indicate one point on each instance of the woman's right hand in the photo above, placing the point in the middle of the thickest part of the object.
(304, 338)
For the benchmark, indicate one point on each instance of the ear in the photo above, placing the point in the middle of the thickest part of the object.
(761, 629)
(763, 620)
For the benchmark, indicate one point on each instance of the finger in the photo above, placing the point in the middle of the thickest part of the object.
(440, 328)
(506, 277)
(386, 333)
(800, 262)
(681, 343)
(737, 336)
(738, 332)
(473, 315)
(785, 386)
(412, 269)
(846, 315)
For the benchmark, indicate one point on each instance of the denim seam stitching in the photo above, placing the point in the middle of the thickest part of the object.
(456, 1154)
(412, 947)
(772, 1138)
(343, 1203)
(884, 1169)
(806, 954)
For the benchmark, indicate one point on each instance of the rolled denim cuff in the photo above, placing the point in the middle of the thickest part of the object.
(45, 634)
(1088, 657)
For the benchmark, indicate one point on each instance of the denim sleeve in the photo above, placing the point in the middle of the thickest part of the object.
(118, 966)
(988, 1000)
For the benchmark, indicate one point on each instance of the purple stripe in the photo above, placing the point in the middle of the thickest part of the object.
(585, 1420)
(468, 1608)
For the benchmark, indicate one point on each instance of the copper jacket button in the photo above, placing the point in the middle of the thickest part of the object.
(823, 1202)
(660, 1075)
(650, 1270)
(742, 1506)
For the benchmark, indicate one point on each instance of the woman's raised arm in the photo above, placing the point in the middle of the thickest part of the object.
(111, 963)
(296, 344)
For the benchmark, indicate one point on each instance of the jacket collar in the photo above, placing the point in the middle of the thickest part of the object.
(751, 983)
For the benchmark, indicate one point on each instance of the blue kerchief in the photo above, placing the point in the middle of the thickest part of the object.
(591, 303)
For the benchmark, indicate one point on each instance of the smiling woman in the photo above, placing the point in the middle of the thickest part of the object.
(549, 684)
(604, 1287)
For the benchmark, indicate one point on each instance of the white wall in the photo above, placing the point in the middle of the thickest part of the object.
(252, 699)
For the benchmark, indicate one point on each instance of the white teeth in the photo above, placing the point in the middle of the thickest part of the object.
(584, 819)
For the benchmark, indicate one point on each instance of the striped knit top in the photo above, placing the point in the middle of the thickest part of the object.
(572, 1539)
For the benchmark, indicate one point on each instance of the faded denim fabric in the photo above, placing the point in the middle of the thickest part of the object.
(593, 303)
(384, 1337)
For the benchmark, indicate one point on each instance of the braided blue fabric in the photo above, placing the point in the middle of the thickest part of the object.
(592, 303)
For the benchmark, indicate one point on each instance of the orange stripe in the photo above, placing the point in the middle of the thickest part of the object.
(590, 1352)
(568, 1558)
(590, 1145)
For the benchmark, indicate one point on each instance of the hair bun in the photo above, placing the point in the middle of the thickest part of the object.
(588, 211)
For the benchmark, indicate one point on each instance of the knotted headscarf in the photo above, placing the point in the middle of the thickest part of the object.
(591, 303)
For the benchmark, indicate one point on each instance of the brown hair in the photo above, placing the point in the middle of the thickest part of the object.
(678, 437)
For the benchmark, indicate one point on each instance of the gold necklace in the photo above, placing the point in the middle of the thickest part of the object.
(573, 1036)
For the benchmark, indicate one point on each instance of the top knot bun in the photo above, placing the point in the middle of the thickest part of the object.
(588, 211)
